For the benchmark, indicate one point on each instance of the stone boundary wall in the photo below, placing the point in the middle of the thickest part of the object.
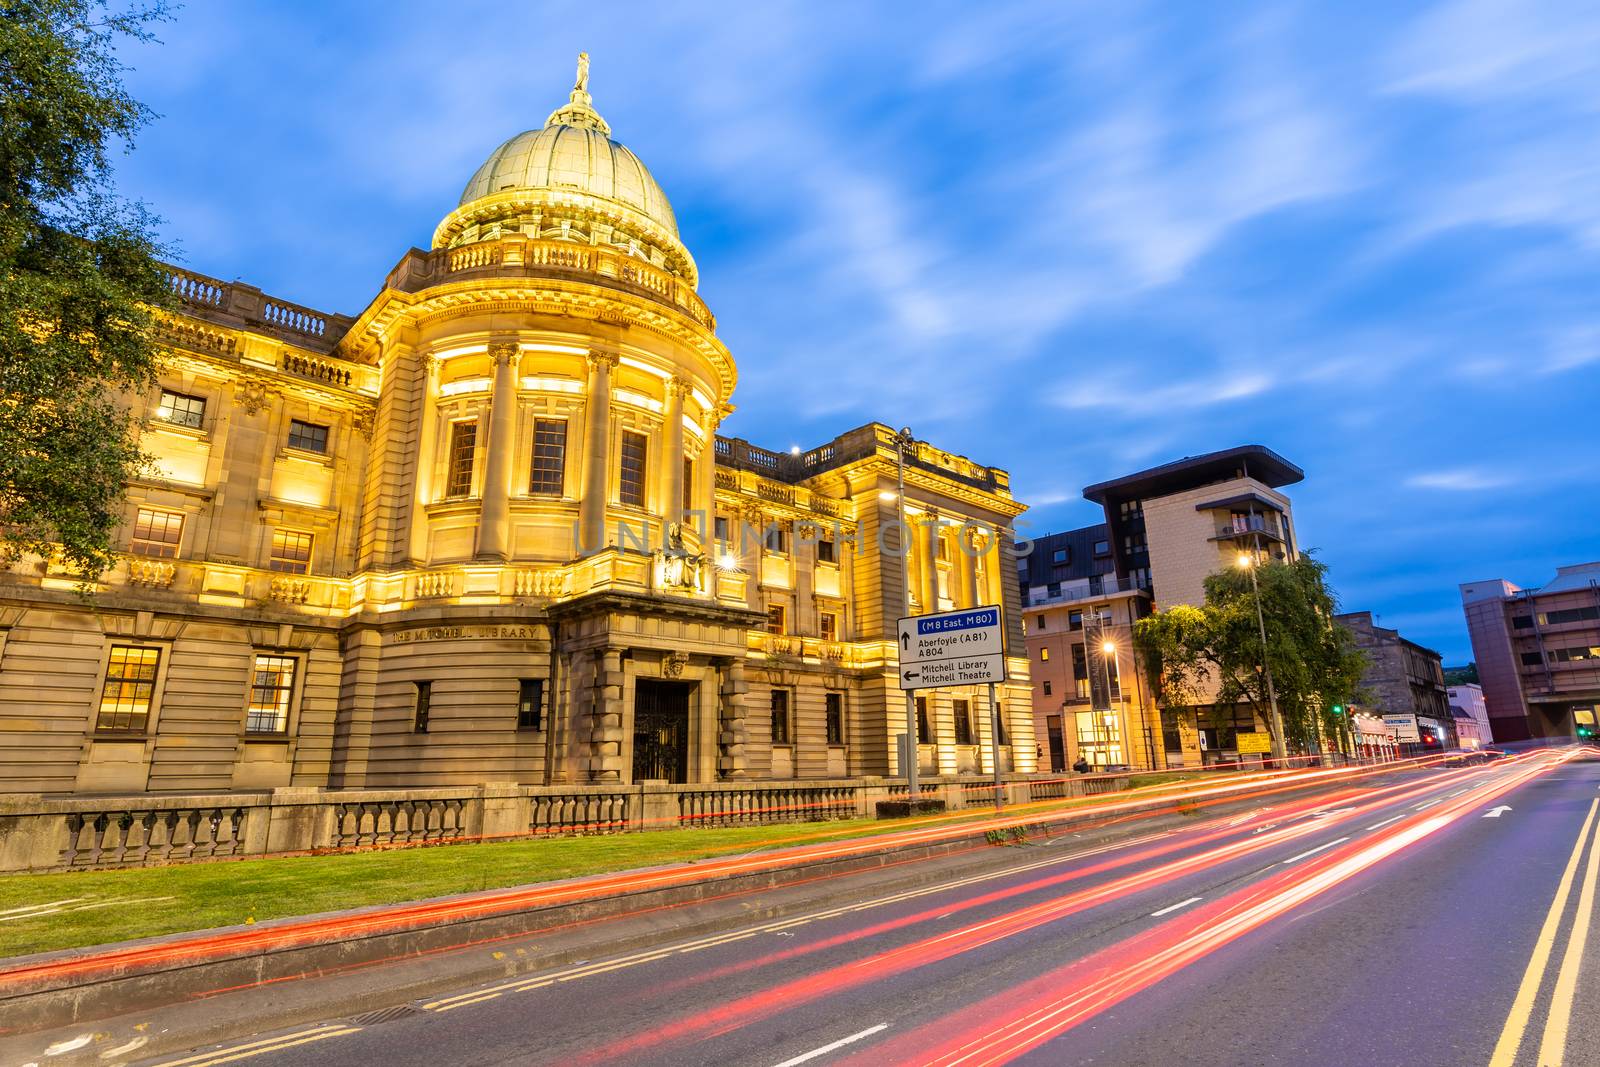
(97, 833)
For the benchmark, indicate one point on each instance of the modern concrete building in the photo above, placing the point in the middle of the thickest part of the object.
(485, 531)
(1166, 529)
(1402, 679)
(1538, 653)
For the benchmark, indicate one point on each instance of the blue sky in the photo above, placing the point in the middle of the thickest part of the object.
(1071, 240)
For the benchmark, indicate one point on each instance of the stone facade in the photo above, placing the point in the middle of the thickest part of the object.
(1402, 677)
(485, 531)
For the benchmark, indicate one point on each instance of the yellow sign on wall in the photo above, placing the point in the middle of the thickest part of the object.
(1254, 742)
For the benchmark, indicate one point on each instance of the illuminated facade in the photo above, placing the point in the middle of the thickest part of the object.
(486, 531)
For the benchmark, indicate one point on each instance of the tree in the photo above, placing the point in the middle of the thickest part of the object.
(1213, 654)
(80, 284)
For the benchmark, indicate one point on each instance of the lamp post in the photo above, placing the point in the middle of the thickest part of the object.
(902, 441)
(1109, 649)
(1279, 749)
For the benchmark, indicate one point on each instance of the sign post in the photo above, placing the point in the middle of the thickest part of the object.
(957, 648)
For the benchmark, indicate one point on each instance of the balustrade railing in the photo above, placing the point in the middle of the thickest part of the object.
(372, 823)
(128, 837)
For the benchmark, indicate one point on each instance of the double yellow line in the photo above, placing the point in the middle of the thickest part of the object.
(1552, 1046)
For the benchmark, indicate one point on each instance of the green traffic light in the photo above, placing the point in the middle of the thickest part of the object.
(1338, 709)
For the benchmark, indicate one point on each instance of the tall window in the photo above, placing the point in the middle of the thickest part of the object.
(775, 538)
(688, 484)
(780, 717)
(924, 729)
(270, 692)
(156, 533)
(827, 551)
(963, 716)
(308, 436)
(776, 619)
(719, 528)
(291, 552)
(834, 717)
(635, 451)
(548, 477)
(129, 690)
(530, 704)
(828, 625)
(1044, 654)
(423, 702)
(182, 409)
(463, 442)
(1047, 687)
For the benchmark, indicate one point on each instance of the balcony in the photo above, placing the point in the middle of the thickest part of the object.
(1096, 588)
(1250, 528)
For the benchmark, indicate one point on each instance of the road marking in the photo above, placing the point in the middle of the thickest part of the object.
(1173, 907)
(1386, 822)
(1497, 811)
(255, 1048)
(1427, 803)
(807, 1057)
(1554, 1046)
(1312, 852)
(1505, 1050)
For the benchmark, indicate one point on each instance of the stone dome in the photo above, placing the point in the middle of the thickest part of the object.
(570, 181)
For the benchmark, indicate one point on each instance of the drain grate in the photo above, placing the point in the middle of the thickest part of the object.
(384, 1015)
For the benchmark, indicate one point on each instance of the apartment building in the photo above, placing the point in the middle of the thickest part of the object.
(1165, 530)
(1538, 653)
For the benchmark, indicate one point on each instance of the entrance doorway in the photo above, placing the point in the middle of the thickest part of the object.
(661, 730)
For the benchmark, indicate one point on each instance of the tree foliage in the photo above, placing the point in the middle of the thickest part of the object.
(1213, 653)
(80, 284)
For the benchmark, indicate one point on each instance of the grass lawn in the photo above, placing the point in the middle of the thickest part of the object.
(99, 907)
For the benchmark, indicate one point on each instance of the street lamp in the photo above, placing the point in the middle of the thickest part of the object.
(902, 441)
(1248, 562)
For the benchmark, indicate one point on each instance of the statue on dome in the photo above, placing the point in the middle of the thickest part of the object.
(582, 84)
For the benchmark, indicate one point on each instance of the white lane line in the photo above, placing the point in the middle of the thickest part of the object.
(1427, 803)
(807, 1057)
(1312, 852)
(1173, 907)
(1386, 822)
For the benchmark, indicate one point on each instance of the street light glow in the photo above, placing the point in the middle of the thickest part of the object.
(1109, 647)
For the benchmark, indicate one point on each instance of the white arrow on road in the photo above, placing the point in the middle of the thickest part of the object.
(1495, 813)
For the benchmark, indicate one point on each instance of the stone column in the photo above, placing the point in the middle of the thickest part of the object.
(750, 544)
(732, 735)
(930, 560)
(706, 472)
(596, 462)
(494, 523)
(972, 543)
(605, 721)
(672, 439)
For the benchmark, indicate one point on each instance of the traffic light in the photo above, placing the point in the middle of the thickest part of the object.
(1585, 731)
(1338, 709)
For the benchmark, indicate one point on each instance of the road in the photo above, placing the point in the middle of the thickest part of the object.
(1445, 919)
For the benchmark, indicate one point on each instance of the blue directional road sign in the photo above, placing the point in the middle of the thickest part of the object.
(964, 647)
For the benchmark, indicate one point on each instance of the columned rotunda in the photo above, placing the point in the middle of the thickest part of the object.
(486, 531)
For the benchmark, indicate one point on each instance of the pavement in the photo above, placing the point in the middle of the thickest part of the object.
(1443, 918)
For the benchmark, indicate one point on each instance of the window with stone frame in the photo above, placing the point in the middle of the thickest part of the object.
(291, 551)
(833, 717)
(924, 726)
(631, 469)
(962, 710)
(688, 485)
(308, 436)
(530, 704)
(782, 731)
(156, 533)
(828, 625)
(422, 705)
(463, 446)
(271, 693)
(548, 475)
(182, 409)
(129, 689)
(777, 619)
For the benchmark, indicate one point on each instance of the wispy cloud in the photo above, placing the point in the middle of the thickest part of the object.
(1459, 480)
